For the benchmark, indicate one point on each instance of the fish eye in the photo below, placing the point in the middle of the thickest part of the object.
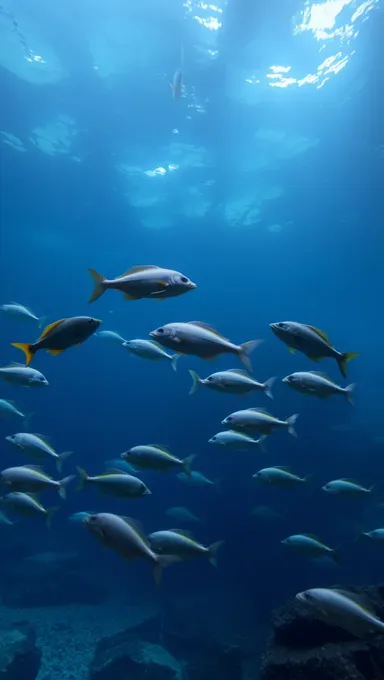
(92, 518)
(281, 324)
(214, 438)
(160, 330)
(291, 378)
(210, 379)
(229, 418)
(184, 279)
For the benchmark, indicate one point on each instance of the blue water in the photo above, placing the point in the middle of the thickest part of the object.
(321, 145)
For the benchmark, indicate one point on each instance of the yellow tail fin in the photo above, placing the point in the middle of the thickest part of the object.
(343, 360)
(27, 349)
(99, 288)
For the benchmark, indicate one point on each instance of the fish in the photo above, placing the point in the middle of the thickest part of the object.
(232, 381)
(143, 281)
(202, 340)
(196, 478)
(32, 479)
(317, 384)
(312, 341)
(21, 313)
(182, 514)
(156, 457)
(125, 536)
(310, 546)
(60, 335)
(18, 374)
(181, 543)
(375, 534)
(110, 336)
(26, 505)
(259, 420)
(37, 445)
(78, 517)
(346, 487)
(147, 349)
(8, 408)
(279, 475)
(114, 483)
(177, 84)
(342, 609)
(236, 440)
(121, 465)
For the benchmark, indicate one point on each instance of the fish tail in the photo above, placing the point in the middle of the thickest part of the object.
(49, 515)
(27, 419)
(162, 561)
(99, 284)
(343, 360)
(291, 421)
(27, 349)
(61, 458)
(83, 478)
(187, 464)
(267, 386)
(246, 350)
(174, 360)
(196, 382)
(348, 392)
(42, 321)
(336, 556)
(261, 442)
(63, 483)
(213, 549)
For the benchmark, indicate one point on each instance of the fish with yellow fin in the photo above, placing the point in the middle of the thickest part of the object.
(143, 281)
(60, 335)
(312, 341)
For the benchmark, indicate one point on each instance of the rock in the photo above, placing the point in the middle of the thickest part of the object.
(20, 659)
(126, 657)
(302, 647)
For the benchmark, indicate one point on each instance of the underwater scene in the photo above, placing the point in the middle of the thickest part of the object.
(191, 284)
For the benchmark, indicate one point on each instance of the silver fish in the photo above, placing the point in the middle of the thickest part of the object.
(115, 483)
(345, 610)
(18, 374)
(31, 479)
(232, 381)
(181, 543)
(317, 384)
(200, 339)
(143, 281)
(147, 349)
(21, 313)
(236, 440)
(156, 457)
(27, 506)
(37, 446)
(311, 341)
(8, 408)
(259, 420)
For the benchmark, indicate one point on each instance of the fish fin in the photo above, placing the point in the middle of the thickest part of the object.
(348, 392)
(196, 382)
(335, 555)
(42, 321)
(174, 360)
(207, 327)
(127, 296)
(313, 537)
(99, 285)
(161, 447)
(183, 532)
(48, 329)
(291, 421)
(239, 371)
(136, 269)
(322, 334)
(213, 549)
(164, 284)
(186, 464)
(54, 352)
(343, 360)
(63, 483)
(113, 471)
(49, 515)
(27, 349)
(61, 458)
(267, 386)
(360, 600)
(36, 468)
(313, 358)
(245, 350)
(83, 478)
(260, 409)
(261, 442)
(136, 526)
(163, 561)
(292, 350)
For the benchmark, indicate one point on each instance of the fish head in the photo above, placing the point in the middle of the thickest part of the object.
(162, 332)
(212, 440)
(258, 475)
(228, 420)
(95, 525)
(283, 329)
(125, 455)
(12, 438)
(307, 597)
(289, 379)
(144, 490)
(40, 381)
(181, 284)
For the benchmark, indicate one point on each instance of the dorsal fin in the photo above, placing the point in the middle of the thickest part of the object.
(240, 371)
(42, 437)
(113, 471)
(358, 599)
(138, 268)
(161, 447)
(321, 374)
(36, 468)
(207, 327)
(136, 526)
(322, 334)
(348, 479)
(14, 364)
(313, 538)
(285, 468)
(48, 329)
(261, 409)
